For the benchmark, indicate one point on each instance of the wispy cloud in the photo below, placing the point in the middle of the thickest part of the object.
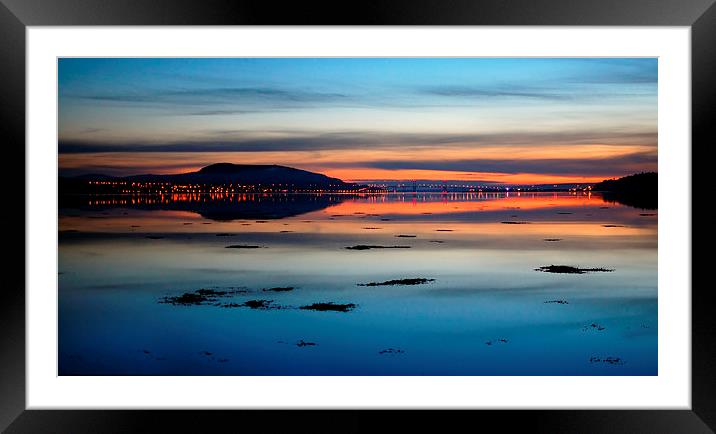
(499, 92)
(562, 166)
(221, 112)
(222, 141)
(230, 101)
(618, 71)
(214, 97)
(92, 130)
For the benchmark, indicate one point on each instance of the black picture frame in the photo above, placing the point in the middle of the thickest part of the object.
(16, 15)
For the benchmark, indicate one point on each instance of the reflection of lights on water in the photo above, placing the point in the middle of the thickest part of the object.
(420, 201)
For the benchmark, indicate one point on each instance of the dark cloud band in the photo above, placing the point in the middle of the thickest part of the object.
(629, 163)
(363, 140)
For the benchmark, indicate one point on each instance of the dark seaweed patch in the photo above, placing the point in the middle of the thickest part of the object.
(280, 289)
(368, 247)
(211, 292)
(607, 360)
(330, 306)
(413, 281)
(391, 351)
(303, 343)
(253, 304)
(186, 299)
(198, 297)
(567, 269)
(258, 304)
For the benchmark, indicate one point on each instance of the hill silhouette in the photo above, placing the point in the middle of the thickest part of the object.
(74, 191)
(229, 173)
(218, 174)
(640, 190)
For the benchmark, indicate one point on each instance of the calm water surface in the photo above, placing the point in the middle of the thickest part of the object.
(487, 312)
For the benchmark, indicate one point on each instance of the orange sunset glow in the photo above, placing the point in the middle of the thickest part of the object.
(481, 120)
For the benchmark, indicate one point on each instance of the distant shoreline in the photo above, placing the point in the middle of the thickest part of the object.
(640, 190)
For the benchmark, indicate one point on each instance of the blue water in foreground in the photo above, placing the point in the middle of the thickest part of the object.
(485, 313)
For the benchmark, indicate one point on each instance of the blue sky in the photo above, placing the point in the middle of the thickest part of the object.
(361, 117)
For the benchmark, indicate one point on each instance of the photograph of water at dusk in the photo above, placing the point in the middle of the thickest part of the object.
(357, 216)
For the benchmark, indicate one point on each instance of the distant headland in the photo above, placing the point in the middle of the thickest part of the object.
(215, 178)
(639, 190)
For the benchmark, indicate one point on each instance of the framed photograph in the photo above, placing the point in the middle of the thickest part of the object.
(477, 207)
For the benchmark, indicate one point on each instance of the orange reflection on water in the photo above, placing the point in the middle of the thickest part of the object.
(462, 202)
(449, 216)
